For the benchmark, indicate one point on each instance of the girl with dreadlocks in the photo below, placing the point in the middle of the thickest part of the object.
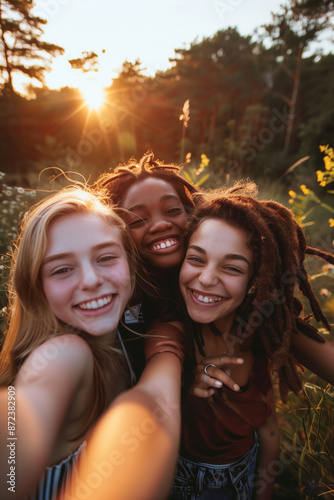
(155, 202)
(243, 261)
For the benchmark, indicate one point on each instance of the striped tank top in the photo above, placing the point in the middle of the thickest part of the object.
(55, 480)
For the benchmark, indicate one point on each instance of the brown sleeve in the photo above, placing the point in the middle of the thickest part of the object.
(165, 337)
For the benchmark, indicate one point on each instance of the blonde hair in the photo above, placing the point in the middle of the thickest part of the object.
(30, 321)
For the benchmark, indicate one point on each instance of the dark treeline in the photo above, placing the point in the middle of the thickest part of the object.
(239, 115)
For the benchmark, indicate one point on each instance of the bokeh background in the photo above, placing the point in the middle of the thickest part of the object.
(229, 89)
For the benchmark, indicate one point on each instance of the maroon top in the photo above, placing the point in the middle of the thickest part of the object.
(219, 429)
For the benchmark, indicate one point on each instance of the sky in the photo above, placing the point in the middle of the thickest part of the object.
(146, 29)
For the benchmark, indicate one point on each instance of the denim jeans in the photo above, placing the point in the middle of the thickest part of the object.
(199, 481)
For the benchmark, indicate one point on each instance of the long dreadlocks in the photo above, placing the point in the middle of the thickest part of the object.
(270, 313)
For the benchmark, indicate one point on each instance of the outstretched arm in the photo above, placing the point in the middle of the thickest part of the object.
(132, 451)
(316, 356)
(45, 388)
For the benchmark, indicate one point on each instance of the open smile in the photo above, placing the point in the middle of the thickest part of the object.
(164, 245)
(204, 298)
(98, 305)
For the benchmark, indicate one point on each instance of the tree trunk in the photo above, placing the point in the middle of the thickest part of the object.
(9, 83)
(293, 101)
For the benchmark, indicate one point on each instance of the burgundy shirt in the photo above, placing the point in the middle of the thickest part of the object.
(219, 429)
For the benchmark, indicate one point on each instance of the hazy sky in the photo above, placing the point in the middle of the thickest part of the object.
(145, 29)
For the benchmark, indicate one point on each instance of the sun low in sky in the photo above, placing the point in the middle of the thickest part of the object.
(149, 30)
(92, 92)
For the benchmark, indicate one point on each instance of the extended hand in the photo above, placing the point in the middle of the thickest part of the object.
(212, 373)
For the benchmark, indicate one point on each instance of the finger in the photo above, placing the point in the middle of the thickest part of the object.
(219, 375)
(211, 382)
(204, 381)
(201, 393)
(220, 361)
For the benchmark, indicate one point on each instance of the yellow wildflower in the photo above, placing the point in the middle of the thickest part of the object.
(328, 163)
(291, 201)
(204, 160)
(331, 222)
(305, 189)
(320, 175)
(292, 194)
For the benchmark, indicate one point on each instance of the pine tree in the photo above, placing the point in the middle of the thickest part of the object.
(21, 48)
(292, 30)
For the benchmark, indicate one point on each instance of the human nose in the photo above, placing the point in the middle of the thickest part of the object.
(159, 224)
(90, 277)
(208, 277)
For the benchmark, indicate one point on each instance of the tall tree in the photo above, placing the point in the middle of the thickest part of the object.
(21, 48)
(292, 31)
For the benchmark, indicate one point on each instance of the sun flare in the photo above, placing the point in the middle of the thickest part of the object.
(93, 94)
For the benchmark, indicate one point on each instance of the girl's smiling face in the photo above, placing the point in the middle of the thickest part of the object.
(216, 271)
(157, 220)
(85, 273)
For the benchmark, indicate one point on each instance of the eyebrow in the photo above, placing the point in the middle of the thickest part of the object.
(165, 197)
(64, 255)
(232, 256)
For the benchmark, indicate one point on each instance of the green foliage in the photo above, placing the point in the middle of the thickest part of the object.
(306, 422)
(306, 425)
(304, 203)
(13, 202)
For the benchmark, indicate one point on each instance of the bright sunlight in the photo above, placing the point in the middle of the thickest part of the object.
(92, 93)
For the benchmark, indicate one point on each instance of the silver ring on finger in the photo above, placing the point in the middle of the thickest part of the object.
(207, 366)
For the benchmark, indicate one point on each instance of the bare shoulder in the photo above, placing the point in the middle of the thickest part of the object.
(64, 355)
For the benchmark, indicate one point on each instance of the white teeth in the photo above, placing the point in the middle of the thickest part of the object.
(95, 304)
(165, 244)
(207, 300)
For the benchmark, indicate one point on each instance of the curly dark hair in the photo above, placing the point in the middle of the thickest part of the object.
(270, 313)
(116, 184)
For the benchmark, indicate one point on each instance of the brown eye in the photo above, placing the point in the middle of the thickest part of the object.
(136, 222)
(174, 211)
